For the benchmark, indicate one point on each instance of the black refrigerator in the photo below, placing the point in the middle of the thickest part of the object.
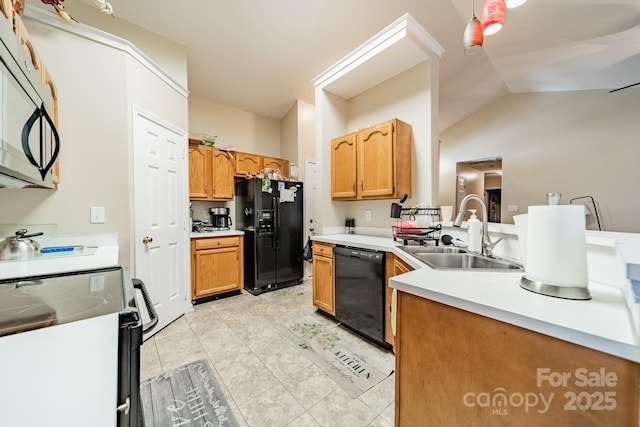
(270, 214)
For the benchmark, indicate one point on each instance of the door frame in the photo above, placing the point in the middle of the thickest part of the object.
(135, 226)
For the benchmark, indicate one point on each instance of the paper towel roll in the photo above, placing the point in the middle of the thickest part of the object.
(556, 246)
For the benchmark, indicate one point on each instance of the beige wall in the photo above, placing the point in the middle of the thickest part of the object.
(576, 143)
(235, 129)
(97, 86)
(407, 97)
(168, 55)
(297, 130)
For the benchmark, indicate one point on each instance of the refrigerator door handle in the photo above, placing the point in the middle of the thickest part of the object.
(276, 220)
(274, 234)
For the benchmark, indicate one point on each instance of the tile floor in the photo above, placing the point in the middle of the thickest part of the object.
(267, 381)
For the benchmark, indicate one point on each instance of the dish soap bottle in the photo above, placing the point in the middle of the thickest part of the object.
(474, 233)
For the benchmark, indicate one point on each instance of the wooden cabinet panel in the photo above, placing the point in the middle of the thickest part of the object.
(217, 242)
(323, 277)
(394, 266)
(211, 173)
(200, 175)
(216, 266)
(343, 167)
(223, 172)
(247, 164)
(375, 157)
(373, 163)
(448, 360)
(280, 164)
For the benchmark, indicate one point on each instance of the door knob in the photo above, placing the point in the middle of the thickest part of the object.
(146, 240)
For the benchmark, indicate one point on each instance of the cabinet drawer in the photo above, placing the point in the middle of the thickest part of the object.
(217, 242)
(323, 249)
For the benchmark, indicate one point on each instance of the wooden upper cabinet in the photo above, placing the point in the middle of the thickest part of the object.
(200, 174)
(373, 163)
(343, 167)
(281, 164)
(210, 173)
(247, 164)
(223, 167)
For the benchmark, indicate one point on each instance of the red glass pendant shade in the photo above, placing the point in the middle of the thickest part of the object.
(492, 16)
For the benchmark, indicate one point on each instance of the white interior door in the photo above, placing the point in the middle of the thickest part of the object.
(310, 197)
(160, 214)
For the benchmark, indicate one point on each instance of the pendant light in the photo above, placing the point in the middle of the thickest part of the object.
(512, 4)
(472, 38)
(492, 16)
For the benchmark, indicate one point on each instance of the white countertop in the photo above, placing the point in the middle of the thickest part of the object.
(603, 323)
(223, 233)
(100, 250)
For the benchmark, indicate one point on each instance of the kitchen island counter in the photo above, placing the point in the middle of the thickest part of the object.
(603, 323)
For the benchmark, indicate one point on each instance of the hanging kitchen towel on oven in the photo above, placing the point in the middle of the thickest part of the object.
(186, 396)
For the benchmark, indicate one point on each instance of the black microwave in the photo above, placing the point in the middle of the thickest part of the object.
(29, 141)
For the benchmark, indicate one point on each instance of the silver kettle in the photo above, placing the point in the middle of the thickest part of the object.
(20, 246)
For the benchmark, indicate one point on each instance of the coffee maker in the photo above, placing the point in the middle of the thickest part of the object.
(220, 219)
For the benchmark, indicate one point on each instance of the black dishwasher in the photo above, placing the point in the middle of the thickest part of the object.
(360, 291)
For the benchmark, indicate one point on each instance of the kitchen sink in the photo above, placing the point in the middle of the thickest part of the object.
(465, 261)
(413, 250)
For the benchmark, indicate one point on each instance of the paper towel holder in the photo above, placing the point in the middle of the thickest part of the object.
(565, 292)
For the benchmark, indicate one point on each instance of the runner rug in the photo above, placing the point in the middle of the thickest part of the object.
(346, 363)
(187, 396)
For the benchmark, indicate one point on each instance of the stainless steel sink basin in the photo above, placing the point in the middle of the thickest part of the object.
(413, 250)
(465, 261)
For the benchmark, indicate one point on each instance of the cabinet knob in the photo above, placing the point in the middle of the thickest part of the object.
(146, 240)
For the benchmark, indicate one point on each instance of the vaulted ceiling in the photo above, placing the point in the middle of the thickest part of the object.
(260, 56)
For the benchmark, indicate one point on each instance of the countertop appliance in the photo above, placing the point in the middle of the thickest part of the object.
(30, 143)
(220, 218)
(70, 348)
(360, 291)
(270, 214)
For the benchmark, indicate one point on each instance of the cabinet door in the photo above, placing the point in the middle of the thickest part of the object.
(223, 171)
(394, 267)
(217, 271)
(323, 285)
(375, 161)
(273, 163)
(343, 167)
(199, 172)
(248, 164)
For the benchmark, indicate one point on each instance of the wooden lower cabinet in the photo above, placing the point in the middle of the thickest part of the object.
(323, 277)
(394, 266)
(216, 265)
(456, 368)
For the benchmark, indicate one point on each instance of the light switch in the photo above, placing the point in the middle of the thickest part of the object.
(97, 215)
(512, 208)
(367, 215)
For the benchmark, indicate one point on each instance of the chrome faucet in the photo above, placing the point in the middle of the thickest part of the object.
(487, 245)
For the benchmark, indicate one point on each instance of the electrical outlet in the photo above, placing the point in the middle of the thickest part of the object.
(512, 208)
(367, 215)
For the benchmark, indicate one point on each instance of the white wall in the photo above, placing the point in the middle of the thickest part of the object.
(169, 56)
(96, 85)
(236, 129)
(297, 130)
(576, 143)
(407, 97)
